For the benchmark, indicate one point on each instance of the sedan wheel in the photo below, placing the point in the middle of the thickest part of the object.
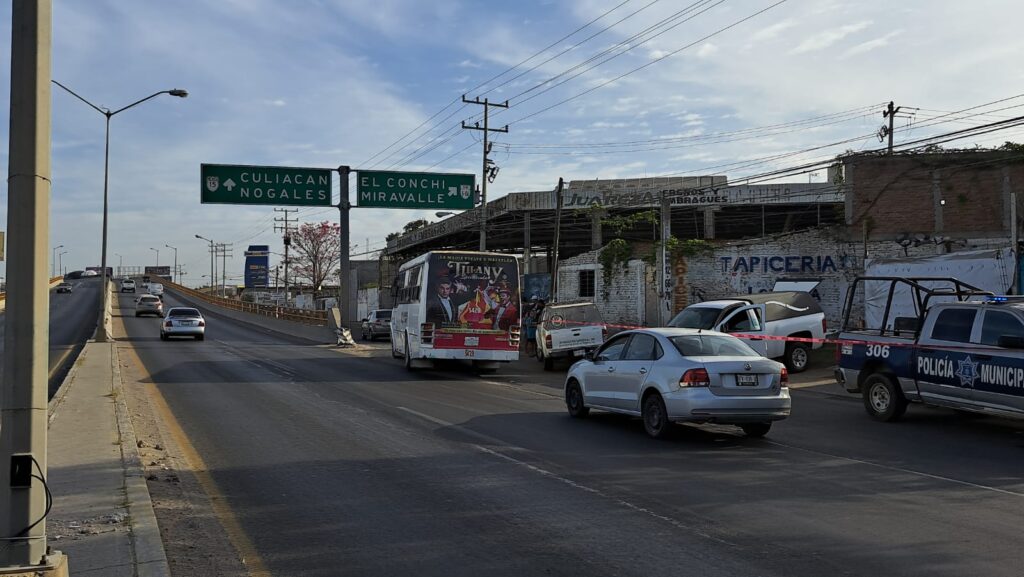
(574, 401)
(756, 429)
(655, 417)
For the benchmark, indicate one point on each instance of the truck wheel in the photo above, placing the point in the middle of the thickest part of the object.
(796, 357)
(540, 355)
(883, 400)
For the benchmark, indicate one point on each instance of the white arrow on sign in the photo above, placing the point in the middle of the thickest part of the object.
(229, 184)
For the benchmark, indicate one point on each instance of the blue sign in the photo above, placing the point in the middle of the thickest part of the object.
(257, 266)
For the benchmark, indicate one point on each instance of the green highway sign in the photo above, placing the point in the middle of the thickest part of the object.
(429, 190)
(236, 184)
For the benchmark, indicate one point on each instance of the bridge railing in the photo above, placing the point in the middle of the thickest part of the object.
(3, 295)
(304, 316)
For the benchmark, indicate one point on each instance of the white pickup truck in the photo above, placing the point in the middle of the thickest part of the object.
(772, 314)
(569, 330)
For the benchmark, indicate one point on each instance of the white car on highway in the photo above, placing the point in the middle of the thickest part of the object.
(671, 375)
(183, 322)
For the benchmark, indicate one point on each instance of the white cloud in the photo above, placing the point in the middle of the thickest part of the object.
(871, 44)
(827, 38)
(707, 49)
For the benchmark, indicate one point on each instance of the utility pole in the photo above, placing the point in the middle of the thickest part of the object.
(486, 172)
(23, 390)
(890, 112)
(222, 250)
(553, 297)
(286, 228)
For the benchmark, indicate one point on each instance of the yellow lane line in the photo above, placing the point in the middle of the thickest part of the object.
(232, 527)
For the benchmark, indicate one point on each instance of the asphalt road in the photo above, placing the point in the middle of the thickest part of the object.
(72, 321)
(341, 465)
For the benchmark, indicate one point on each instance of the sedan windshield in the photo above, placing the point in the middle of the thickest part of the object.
(712, 345)
(184, 313)
(695, 318)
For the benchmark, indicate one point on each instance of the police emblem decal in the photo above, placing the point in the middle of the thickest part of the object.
(967, 370)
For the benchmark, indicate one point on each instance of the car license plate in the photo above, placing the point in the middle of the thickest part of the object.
(579, 353)
(472, 341)
(746, 380)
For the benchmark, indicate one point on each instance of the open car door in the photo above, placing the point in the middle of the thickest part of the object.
(747, 323)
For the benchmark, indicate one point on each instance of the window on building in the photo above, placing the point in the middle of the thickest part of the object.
(587, 283)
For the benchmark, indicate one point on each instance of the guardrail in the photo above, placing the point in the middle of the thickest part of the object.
(304, 316)
(3, 295)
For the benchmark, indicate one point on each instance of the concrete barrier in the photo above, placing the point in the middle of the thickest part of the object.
(313, 333)
(3, 296)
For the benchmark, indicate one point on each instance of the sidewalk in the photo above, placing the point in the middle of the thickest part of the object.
(102, 517)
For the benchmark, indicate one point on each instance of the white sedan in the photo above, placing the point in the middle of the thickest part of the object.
(671, 375)
(184, 322)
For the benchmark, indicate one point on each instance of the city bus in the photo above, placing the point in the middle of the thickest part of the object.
(457, 305)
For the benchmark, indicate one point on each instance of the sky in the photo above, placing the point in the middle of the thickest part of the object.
(596, 88)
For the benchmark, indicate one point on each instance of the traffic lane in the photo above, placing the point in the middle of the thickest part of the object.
(329, 486)
(710, 479)
(969, 448)
(72, 321)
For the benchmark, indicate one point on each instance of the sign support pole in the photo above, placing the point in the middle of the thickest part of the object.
(23, 395)
(344, 234)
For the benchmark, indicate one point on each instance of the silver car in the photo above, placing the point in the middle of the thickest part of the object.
(671, 375)
(184, 322)
(149, 305)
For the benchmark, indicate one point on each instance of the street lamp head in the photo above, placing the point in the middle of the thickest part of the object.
(443, 214)
(179, 92)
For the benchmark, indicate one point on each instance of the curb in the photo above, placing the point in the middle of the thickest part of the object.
(147, 546)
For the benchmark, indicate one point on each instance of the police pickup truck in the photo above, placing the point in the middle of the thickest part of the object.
(937, 341)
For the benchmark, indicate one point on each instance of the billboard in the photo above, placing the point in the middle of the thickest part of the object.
(160, 271)
(257, 266)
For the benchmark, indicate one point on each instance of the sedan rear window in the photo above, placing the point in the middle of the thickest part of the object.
(712, 345)
(184, 313)
(149, 300)
(384, 314)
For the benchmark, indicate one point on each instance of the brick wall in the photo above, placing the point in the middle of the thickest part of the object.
(963, 194)
(626, 296)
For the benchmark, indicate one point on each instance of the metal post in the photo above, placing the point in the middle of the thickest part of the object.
(53, 262)
(527, 243)
(1013, 242)
(23, 392)
(665, 292)
(344, 237)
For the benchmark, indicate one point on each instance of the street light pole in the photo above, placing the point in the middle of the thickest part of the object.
(53, 262)
(174, 273)
(102, 335)
(120, 264)
(157, 256)
(60, 257)
(212, 277)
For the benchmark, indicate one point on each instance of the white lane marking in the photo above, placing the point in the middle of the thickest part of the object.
(900, 470)
(554, 476)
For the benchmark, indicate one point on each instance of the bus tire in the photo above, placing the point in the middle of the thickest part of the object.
(408, 356)
(883, 400)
